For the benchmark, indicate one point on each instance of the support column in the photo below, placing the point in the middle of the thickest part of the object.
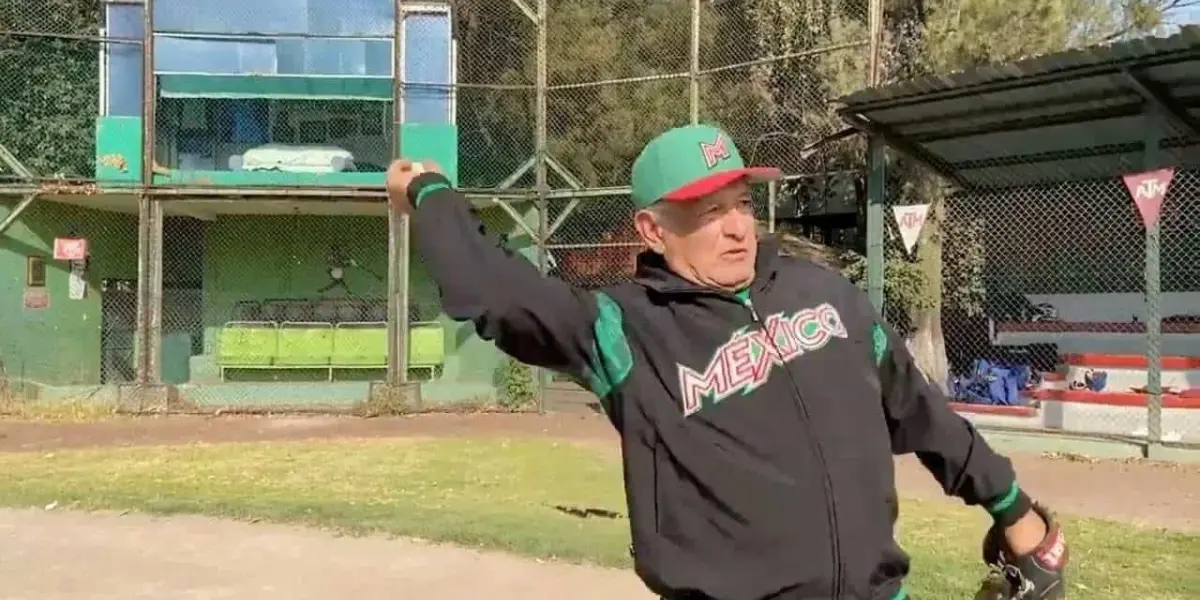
(541, 175)
(1152, 159)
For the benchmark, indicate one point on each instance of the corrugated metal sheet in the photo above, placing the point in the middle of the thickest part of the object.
(1137, 50)
(1073, 115)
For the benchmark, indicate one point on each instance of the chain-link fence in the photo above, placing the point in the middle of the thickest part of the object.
(54, 53)
(1053, 292)
(266, 284)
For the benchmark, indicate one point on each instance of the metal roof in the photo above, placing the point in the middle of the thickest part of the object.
(1080, 114)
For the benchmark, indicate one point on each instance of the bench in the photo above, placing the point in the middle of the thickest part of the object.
(266, 345)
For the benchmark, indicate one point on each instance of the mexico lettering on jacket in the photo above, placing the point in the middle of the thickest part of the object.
(745, 362)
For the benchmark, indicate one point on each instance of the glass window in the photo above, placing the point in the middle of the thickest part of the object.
(315, 17)
(335, 57)
(124, 83)
(427, 61)
(351, 17)
(217, 57)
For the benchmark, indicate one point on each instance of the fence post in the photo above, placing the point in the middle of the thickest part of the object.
(694, 72)
(148, 334)
(398, 246)
(876, 168)
(876, 199)
(772, 197)
(540, 173)
(1152, 159)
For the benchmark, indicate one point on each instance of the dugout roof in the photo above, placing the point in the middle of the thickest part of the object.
(1074, 115)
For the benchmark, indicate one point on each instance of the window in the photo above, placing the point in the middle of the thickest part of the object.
(35, 272)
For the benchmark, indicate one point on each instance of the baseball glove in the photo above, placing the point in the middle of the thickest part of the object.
(1039, 575)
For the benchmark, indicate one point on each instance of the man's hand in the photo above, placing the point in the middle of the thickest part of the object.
(1034, 572)
(400, 175)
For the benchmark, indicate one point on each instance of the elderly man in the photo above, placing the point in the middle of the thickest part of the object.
(759, 398)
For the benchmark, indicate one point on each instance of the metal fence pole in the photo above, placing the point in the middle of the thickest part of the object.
(1152, 159)
(876, 168)
(694, 73)
(772, 197)
(149, 290)
(876, 200)
(398, 246)
(540, 172)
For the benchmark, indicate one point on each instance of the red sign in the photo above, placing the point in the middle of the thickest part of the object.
(70, 249)
(1148, 190)
(36, 298)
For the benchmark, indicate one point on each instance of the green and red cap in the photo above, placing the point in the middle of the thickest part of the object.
(690, 162)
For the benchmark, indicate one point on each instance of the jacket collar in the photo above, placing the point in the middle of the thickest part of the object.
(652, 272)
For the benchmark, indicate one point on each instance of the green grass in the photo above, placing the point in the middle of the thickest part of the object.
(501, 495)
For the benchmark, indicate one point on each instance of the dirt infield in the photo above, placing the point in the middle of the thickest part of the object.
(1155, 494)
(72, 556)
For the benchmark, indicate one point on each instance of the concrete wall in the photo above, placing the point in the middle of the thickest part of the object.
(263, 258)
(60, 344)
(236, 258)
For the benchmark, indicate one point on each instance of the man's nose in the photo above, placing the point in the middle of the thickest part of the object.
(736, 225)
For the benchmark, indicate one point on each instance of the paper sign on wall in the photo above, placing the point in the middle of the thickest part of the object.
(1149, 189)
(70, 248)
(76, 283)
(36, 298)
(911, 220)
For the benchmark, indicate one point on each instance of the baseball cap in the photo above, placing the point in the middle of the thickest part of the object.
(686, 163)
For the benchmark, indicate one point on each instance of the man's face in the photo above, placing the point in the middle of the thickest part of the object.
(711, 241)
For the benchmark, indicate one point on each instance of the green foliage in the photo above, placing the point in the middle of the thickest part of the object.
(516, 388)
(50, 93)
(903, 284)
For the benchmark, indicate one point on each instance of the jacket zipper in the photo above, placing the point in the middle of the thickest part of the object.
(830, 507)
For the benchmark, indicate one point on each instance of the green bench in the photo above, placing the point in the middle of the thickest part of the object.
(287, 345)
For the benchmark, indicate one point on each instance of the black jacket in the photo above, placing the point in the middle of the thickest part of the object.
(757, 434)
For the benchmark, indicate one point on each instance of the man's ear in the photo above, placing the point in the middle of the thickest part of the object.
(648, 226)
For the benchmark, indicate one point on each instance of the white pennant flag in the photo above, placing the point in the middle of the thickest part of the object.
(911, 220)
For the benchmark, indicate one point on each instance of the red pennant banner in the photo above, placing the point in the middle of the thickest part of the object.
(1148, 190)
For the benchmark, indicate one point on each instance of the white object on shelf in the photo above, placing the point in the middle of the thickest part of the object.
(297, 159)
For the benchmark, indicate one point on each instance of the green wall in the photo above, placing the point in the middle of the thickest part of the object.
(59, 345)
(268, 257)
(240, 258)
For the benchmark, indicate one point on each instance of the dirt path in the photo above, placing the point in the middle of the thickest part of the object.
(72, 556)
(1156, 494)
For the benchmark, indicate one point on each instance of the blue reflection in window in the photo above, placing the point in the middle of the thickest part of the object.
(427, 60)
(124, 61)
(315, 17)
(372, 58)
(217, 57)
(231, 16)
(351, 17)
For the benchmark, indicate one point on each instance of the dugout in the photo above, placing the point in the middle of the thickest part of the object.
(1033, 154)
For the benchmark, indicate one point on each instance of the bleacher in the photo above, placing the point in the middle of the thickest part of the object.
(324, 334)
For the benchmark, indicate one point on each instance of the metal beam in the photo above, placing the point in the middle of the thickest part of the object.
(517, 174)
(16, 212)
(902, 144)
(954, 92)
(516, 217)
(1162, 101)
(526, 10)
(15, 164)
(557, 167)
(574, 183)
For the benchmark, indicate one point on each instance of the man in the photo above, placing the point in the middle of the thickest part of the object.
(758, 397)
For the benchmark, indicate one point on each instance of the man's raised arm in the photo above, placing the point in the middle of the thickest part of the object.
(538, 320)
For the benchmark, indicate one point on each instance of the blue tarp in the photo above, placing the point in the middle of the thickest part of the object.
(995, 383)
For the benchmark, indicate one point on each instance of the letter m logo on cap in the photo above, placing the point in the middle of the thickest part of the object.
(714, 152)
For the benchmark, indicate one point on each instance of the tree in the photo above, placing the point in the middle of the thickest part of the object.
(51, 86)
